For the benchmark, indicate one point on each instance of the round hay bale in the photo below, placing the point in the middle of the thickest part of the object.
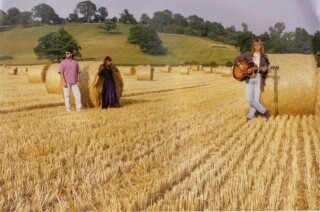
(127, 70)
(22, 69)
(166, 69)
(90, 94)
(223, 71)
(195, 67)
(175, 69)
(145, 73)
(318, 95)
(53, 81)
(2, 69)
(294, 90)
(184, 70)
(37, 74)
(208, 70)
(12, 70)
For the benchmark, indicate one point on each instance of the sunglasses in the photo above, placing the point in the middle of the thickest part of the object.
(68, 53)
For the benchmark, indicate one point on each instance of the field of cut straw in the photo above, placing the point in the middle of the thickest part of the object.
(179, 142)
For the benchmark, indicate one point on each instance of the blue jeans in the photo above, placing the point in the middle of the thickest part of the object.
(253, 95)
(76, 93)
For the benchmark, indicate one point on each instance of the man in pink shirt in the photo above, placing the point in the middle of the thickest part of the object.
(70, 78)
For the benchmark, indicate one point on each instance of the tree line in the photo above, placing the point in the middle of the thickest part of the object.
(276, 39)
(85, 12)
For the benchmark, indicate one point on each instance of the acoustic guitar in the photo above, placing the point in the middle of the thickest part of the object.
(240, 75)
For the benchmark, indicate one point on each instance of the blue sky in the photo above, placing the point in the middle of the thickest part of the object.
(259, 15)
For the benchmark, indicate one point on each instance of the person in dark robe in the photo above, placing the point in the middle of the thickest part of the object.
(112, 84)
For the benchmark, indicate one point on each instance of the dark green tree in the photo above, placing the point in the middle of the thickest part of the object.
(151, 43)
(103, 13)
(53, 46)
(161, 20)
(230, 35)
(245, 27)
(45, 13)
(127, 18)
(3, 17)
(137, 34)
(244, 41)
(316, 42)
(145, 19)
(26, 18)
(73, 17)
(13, 16)
(303, 43)
(214, 30)
(179, 20)
(316, 46)
(109, 25)
(148, 40)
(277, 44)
(265, 37)
(87, 9)
(196, 26)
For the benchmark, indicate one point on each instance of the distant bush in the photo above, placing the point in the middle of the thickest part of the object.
(191, 62)
(53, 46)
(212, 64)
(229, 63)
(148, 40)
(6, 57)
(109, 25)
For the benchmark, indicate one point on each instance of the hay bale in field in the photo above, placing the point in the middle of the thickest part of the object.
(53, 81)
(223, 71)
(195, 67)
(317, 110)
(175, 69)
(3, 69)
(166, 69)
(294, 90)
(145, 73)
(12, 70)
(90, 94)
(184, 70)
(37, 74)
(22, 69)
(208, 70)
(127, 70)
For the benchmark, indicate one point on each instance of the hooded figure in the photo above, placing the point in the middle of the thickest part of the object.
(108, 85)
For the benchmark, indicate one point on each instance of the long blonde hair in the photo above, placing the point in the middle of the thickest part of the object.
(257, 40)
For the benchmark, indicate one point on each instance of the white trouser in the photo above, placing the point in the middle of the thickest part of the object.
(76, 93)
(253, 96)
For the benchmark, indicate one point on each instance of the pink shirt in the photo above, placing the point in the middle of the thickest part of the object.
(70, 70)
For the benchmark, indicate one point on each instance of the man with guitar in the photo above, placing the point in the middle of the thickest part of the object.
(252, 66)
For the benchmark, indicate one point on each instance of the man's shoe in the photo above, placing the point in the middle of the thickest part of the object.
(267, 115)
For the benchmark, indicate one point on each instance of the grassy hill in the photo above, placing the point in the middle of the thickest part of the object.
(96, 43)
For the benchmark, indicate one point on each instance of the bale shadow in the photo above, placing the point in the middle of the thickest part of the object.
(32, 107)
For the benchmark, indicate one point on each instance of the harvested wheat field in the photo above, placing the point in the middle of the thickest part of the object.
(179, 142)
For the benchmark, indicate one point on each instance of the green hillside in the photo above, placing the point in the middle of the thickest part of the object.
(96, 43)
